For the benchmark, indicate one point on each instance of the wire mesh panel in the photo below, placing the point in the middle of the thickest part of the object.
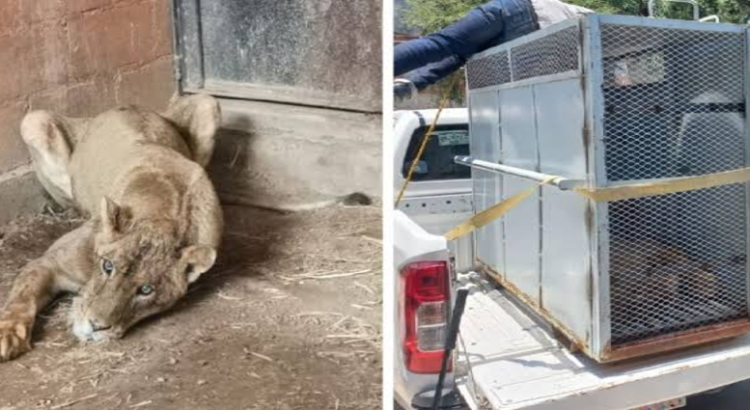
(557, 52)
(677, 262)
(491, 70)
(674, 106)
(552, 54)
(674, 101)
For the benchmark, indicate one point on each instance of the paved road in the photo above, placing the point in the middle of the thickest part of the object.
(736, 397)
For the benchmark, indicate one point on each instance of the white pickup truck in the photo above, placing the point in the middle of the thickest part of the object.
(506, 357)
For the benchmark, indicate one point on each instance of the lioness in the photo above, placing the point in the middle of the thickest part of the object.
(155, 220)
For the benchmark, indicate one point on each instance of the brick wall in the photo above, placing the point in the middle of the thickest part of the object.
(77, 57)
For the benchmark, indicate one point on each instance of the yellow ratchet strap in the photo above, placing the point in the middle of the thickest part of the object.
(665, 186)
(490, 214)
(612, 193)
(423, 144)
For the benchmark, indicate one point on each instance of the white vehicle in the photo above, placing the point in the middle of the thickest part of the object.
(507, 357)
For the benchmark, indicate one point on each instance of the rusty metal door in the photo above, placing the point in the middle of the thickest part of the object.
(321, 53)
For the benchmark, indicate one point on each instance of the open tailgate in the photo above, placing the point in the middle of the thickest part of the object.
(515, 363)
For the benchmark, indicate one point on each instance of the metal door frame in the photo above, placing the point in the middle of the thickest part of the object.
(187, 40)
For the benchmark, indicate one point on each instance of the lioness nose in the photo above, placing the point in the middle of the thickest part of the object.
(97, 327)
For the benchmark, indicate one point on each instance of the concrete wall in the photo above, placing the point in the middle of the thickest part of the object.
(307, 66)
(77, 57)
(277, 154)
(81, 57)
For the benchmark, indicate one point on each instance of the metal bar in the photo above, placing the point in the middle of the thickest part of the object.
(564, 184)
(676, 340)
(598, 212)
(543, 79)
(712, 17)
(188, 42)
(747, 163)
(450, 344)
(668, 23)
(178, 58)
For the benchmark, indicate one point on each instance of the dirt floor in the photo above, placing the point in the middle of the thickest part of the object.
(288, 319)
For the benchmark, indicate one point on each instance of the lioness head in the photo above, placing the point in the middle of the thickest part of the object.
(141, 268)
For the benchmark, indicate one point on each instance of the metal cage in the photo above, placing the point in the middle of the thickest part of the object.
(603, 101)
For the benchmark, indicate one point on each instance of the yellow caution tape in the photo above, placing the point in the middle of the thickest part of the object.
(607, 194)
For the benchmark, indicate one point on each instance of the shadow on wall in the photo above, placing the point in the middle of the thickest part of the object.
(276, 154)
(251, 239)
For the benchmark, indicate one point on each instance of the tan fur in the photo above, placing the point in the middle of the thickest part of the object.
(154, 216)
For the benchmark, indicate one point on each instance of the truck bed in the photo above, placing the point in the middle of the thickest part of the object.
(514, 362)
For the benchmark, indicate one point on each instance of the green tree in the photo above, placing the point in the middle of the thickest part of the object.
(432, 15)
(729, 11)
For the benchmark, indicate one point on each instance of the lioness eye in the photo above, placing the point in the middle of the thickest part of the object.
(107, 266)
(145, 290)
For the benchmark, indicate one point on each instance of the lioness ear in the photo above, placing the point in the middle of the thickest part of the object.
(113, 216)
(199, 116)
(199, 259)
(110, 216)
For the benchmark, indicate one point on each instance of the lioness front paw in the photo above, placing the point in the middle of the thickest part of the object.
(15, 339)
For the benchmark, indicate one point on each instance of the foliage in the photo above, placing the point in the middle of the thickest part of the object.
(729, 11)
(432, 15)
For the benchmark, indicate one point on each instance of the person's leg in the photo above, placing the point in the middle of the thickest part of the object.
(461, 39)
(520, 19)
(432, 73)
(417, 80)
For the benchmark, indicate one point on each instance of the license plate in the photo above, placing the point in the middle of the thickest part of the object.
(665, 405)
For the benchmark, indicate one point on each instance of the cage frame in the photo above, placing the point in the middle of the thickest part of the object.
(597, 343)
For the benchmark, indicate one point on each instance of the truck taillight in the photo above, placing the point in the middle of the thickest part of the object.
(425, 300)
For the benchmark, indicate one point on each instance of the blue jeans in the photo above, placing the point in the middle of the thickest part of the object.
(439, 54)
